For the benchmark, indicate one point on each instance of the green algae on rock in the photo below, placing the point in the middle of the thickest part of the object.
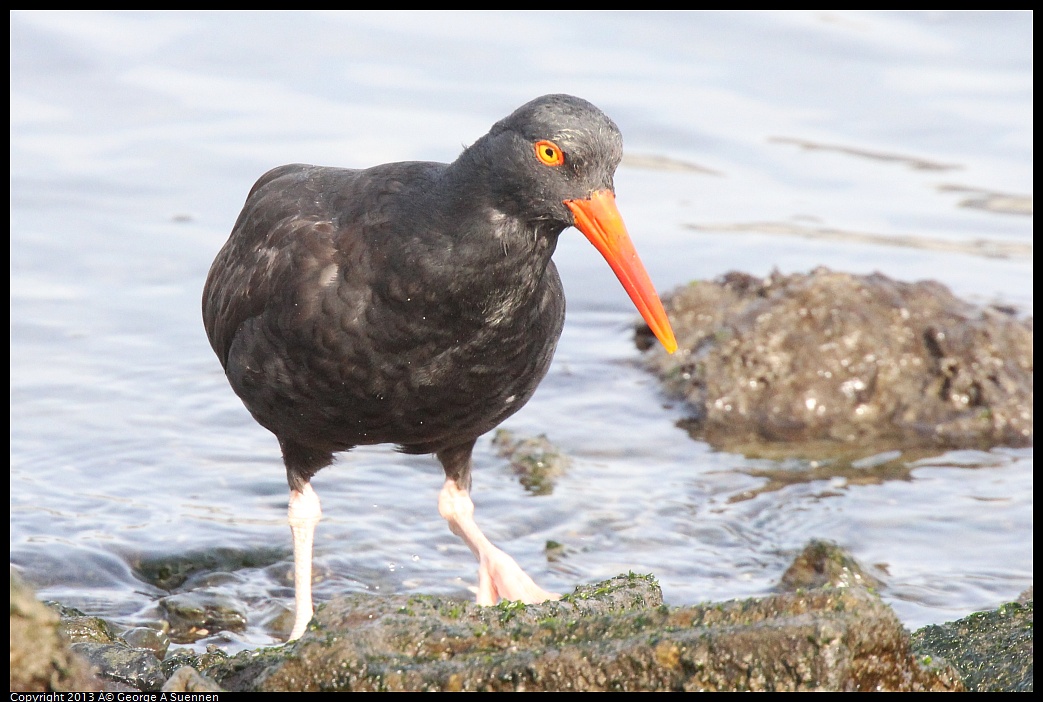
(615, 635)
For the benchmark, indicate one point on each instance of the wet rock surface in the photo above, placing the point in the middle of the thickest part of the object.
(188, 679)
(824, 564)
(40, 657)
(829, 639)
(122, 667)
(847, 360)
(991, 651)
(613, 636)
(824, 630)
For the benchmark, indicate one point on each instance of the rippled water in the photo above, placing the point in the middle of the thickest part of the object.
(898, 142)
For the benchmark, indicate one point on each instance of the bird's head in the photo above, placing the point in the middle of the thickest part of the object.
(553, 160)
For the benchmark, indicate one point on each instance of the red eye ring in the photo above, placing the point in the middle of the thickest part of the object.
(549, 153)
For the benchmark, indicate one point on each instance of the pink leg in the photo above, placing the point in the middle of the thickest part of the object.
(499, 577)
(304, 515)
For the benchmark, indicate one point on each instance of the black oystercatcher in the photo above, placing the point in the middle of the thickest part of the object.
(415, 304)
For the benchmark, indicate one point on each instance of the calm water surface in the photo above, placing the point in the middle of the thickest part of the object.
(754, 141)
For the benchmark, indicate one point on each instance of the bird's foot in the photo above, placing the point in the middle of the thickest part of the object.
(500, 577)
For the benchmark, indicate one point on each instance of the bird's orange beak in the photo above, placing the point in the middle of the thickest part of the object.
(600, 221)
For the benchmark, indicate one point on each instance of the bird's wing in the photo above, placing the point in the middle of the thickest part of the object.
(283, 242)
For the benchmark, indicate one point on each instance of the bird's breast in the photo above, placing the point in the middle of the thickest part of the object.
(398, 362)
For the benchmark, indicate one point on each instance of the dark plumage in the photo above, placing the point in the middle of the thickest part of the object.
(414, 304)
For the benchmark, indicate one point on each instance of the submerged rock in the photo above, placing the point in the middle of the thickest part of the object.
(149, 639)
(195, 615)
(535, 460)
(846, 359)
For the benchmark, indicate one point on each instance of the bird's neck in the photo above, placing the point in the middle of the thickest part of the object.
(488, 260)
(488, 230)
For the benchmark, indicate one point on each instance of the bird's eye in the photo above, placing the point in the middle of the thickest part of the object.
(549, 153)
